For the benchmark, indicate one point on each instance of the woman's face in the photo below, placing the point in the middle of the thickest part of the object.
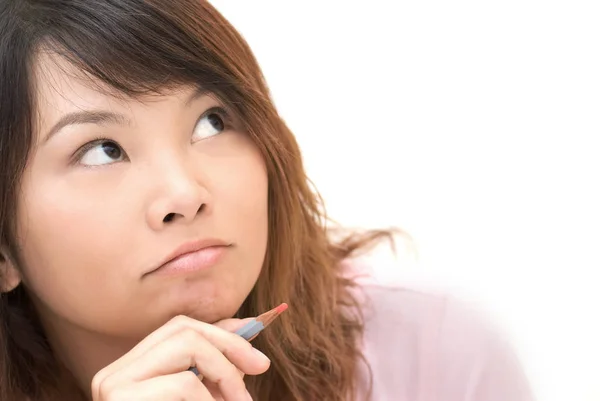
(115, 186)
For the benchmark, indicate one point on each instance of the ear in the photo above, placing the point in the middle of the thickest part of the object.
(10, 277)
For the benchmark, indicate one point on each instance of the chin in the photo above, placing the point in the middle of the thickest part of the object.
(205, 300)
(210, 309)
(212, 315)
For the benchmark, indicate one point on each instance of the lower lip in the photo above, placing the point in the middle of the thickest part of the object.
(192, 262)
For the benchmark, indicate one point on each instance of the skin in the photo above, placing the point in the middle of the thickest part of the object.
(91, 227)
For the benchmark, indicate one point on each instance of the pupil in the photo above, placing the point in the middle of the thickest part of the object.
(111, 150)
(216, 122)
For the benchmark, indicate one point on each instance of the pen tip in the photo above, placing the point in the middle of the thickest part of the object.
(281, 308)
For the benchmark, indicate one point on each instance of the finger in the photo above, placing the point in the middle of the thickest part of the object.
(173, 326)
(200, 377)
(214, 389)
(177, 324)
(175, 387)
(190, 348)
(237, 350)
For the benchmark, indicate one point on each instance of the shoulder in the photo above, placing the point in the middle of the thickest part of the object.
(424, 344)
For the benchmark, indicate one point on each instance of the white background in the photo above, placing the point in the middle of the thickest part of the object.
(474, 126)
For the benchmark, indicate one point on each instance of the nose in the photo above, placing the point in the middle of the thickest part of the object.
(180, 197)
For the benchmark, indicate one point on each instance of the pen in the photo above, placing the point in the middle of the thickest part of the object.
(252, 329)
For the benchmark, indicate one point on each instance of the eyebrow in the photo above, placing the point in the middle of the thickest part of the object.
(98, 117)
(102, 117)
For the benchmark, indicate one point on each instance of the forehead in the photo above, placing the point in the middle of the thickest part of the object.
(60, 88)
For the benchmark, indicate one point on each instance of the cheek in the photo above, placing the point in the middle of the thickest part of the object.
(68, 238)
(241, 199)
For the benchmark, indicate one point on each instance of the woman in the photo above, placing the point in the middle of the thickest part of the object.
(151, 197)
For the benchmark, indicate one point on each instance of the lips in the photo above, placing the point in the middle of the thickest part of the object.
(193, 255)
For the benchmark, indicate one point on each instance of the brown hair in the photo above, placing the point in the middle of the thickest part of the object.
(143, 47)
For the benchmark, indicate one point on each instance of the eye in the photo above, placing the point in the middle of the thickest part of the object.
(212, 123)
(101, 152)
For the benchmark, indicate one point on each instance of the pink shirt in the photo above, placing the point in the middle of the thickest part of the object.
(424, 346)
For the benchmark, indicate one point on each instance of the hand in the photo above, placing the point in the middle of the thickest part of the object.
(157, 368)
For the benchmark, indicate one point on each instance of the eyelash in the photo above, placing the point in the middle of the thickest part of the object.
(221, 111)
(89, 145)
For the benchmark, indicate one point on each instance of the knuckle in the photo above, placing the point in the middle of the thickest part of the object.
(179, 320)
(102, 388)
(190, 383)
(96, 382)
(190, 336)
(229, 374)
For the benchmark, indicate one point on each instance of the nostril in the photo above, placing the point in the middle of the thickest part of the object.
(172, 216)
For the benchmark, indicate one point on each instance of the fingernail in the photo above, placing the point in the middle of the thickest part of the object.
(261, 355)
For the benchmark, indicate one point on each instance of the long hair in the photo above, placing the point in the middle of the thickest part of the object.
(141, 47)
